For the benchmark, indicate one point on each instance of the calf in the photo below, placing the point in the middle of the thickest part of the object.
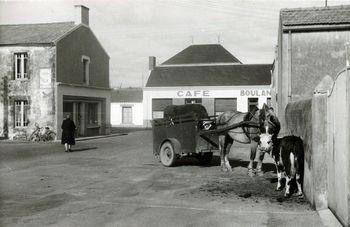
(288, 153)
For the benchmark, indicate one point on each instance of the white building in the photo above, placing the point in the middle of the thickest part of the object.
(127, 107)
(209, 75)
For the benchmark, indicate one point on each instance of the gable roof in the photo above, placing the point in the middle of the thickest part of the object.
(127, 95)
(33, 33)
(330, 15)
(202, 54)
(216, 75)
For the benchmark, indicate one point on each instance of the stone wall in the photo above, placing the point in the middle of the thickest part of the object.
(39, 95)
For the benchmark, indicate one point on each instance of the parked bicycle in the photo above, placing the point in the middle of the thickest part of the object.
(42, 134)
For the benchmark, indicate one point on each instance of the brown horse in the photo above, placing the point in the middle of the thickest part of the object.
(261, 122)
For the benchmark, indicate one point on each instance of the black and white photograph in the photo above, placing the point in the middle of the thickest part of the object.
(175, 113)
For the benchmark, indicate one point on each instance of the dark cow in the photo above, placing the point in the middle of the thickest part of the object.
(288, 153)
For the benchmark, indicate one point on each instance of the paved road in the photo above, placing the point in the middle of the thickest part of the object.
(116, 181)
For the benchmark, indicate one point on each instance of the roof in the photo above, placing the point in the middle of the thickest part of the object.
(33, 33)
(127, 95)
(202, 54)
(330, 15)
(216, 75)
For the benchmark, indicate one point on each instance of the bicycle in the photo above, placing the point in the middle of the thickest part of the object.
(42, 135)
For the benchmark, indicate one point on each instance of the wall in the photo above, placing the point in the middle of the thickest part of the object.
(208, 95)
(84, 93)
(38, 89)
(82, 42)
(137, 114)
(339, 148)
(304, 58)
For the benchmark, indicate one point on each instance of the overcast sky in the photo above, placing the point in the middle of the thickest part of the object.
(132, 30)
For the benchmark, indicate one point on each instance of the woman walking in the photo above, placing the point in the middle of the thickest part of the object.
(68, 128)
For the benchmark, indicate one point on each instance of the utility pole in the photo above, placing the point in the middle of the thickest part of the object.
(326, 3)
(218, 39)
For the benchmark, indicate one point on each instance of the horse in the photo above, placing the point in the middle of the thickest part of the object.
(262, 122)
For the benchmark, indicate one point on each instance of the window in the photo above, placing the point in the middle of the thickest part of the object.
(268, 102)
(252, 102)
(193, 101)
(21, 113)
(127, 114)
(92, 113)
(225, 104)
(86, 66)
(21, 66)
(158, 106)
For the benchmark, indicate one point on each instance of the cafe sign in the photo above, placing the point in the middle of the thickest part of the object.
(192, 94)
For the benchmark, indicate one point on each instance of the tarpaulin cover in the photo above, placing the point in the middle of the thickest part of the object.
(196, 110)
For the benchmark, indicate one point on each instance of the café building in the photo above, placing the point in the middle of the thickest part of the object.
(209, 75)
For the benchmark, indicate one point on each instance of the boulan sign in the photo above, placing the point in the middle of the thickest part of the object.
(207, 93)
(255, 93)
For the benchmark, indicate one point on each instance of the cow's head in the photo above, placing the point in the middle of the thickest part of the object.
(265, 142)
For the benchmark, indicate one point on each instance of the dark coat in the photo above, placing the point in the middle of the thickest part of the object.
(68, 128)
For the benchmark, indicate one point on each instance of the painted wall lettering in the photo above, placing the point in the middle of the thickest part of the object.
(195, 93)
(255, 93)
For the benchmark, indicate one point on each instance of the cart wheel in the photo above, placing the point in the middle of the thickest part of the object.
(167, 154)
(205, 158)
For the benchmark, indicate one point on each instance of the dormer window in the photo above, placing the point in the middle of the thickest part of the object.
(21, 66)
(86, 66)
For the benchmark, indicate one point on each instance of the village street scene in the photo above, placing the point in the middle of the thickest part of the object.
(175, 113)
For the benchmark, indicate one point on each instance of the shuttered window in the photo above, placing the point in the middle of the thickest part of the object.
(225, 104)
(127, 114)
(21, 113)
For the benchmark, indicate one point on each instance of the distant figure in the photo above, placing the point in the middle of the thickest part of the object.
(68, 128)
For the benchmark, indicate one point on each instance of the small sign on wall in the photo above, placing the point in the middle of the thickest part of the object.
(45, 78)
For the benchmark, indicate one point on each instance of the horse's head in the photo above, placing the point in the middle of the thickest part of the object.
(269, 128)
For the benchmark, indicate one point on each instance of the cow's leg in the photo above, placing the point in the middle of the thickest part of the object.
(259, 166)
(298, 180)
(253, 148)
(279, 177)
(288, 182)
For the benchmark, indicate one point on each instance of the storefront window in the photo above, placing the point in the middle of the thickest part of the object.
(92, 113)
(252, 103)
(193, 101)
(225, 104)
(158, 106)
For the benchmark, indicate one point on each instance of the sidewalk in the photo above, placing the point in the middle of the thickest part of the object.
(2, 140)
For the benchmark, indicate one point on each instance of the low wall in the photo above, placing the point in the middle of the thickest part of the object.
(307, 119)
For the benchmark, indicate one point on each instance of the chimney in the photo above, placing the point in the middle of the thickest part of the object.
(81, 15)
(152, 62)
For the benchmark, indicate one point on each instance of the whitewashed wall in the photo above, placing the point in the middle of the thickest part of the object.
(116, 114)
(242, 93)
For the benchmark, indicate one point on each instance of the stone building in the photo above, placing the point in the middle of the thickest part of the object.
(207, 74)
(51, 69)
(311, 44)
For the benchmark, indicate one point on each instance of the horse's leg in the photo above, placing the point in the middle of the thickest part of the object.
(298, 179)
(253, 148)
(227, 152)
(259, 166)
(222, 152)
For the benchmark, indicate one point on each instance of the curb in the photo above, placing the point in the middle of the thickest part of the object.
(99, 137)
(328, 218)
(7, 141)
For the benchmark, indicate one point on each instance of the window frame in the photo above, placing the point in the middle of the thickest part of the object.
(23, 58)
(24, 109)
(86, 69)
(130, 118)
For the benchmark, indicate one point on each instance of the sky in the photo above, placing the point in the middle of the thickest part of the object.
(132, 30)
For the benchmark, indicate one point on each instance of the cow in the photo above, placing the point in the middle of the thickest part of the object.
(288, 154)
